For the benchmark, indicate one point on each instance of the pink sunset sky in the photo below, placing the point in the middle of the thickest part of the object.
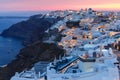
(36, 5)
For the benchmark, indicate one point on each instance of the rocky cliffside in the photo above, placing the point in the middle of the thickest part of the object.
(28, 56)
(31, 30)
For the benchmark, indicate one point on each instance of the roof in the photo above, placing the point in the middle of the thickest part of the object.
(63, 64)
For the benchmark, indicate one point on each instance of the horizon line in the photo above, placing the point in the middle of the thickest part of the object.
(96, 9)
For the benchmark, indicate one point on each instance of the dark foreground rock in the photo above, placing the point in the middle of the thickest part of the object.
(29, 56)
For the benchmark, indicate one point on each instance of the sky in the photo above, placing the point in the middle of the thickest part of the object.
(40, 5)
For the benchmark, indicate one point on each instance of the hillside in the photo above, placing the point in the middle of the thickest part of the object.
(29, 56)
(30, 30)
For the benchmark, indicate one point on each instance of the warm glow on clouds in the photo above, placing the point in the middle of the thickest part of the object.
(108, 6)
(34, 5)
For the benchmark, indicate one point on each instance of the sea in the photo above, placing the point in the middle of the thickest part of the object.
(10, 47)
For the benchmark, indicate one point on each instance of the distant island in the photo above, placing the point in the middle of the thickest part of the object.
(12, 17)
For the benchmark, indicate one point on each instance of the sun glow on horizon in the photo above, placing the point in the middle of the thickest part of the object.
(38, 5)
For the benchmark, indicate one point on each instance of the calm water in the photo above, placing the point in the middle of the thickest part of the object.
(9, 47)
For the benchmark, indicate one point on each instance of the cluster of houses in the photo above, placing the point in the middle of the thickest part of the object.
(90, 39)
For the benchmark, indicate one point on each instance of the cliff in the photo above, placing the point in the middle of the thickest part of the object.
(28, 56)
(30, 30)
